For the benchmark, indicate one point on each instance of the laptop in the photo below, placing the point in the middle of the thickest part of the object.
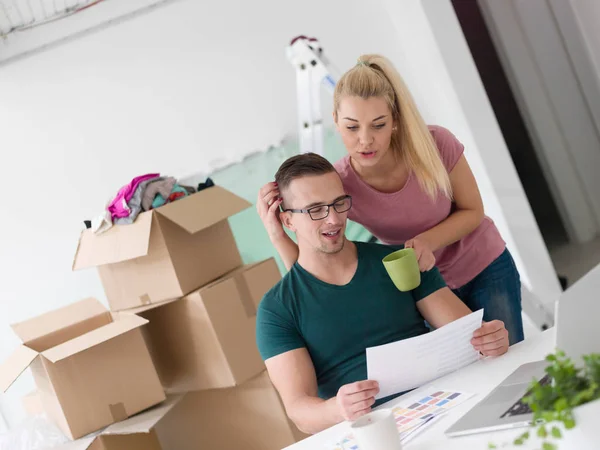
(576, 333)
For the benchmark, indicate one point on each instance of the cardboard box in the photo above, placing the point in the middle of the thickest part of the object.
(167, 252)
(249, 417)
(207, 339)
(135, 433)
(91, 368)
(32, 404)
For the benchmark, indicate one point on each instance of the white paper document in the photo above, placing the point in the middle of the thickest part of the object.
(410, 363)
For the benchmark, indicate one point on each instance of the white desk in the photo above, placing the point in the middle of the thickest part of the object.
(478, 378)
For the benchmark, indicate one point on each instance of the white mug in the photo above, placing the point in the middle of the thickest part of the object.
(376, 431)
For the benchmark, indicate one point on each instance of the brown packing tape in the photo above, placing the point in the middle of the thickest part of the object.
(246, 297)
(145, 299)
(118, 413)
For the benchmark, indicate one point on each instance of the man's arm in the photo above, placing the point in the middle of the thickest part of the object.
(442, 307)
(293, 375)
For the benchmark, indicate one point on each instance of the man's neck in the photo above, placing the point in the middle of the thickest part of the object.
(334, 268)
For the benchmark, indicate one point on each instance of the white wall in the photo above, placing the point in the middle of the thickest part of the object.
(172, 90)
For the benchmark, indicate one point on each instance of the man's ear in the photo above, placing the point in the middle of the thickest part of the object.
(286, 220)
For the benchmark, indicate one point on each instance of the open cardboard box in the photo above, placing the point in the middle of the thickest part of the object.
(91, 368)
(207, 339)
(167, 252)
(32, 403)
(249, 417)
(135, 433)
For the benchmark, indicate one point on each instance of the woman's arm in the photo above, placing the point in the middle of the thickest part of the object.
(469, 209)
(287, 249)
(467, 216)
(267, 205)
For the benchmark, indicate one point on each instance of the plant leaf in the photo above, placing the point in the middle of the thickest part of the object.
(561, 404)
(572, 386)
(492, 446)
(548, 416)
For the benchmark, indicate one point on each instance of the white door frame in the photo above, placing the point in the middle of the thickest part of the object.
(548, 92)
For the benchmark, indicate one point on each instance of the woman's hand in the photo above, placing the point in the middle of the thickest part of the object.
(267, 205)
(425, 256)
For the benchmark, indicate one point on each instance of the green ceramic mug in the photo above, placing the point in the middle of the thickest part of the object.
(403, 269)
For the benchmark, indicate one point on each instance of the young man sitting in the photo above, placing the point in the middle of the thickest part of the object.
(313, 327)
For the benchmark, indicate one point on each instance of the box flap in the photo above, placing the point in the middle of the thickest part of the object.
(203, 209)
(120, 243)
(145, 421)
(15, 365)
(79, 444)
(40, 326)
(98, 336)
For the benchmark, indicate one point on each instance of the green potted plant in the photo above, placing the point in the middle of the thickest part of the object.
(566, 411)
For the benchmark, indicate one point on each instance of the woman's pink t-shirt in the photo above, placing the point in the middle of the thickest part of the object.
(397, 217)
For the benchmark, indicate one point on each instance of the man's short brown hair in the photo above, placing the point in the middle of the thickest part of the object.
(306, 164)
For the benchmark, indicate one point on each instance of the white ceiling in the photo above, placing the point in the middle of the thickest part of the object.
(31, 26)
(18, 15)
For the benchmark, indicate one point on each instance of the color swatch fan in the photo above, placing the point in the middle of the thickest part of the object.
(414, 414)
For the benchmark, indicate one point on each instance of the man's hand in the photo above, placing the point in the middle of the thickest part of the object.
(491, 339)
(355, 399)
(423, 252)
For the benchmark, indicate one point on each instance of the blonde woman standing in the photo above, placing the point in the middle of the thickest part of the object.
(411, 184)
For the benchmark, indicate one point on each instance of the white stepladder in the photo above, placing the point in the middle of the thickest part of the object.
(312, 71)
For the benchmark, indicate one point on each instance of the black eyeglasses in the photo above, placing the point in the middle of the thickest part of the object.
(320, 212)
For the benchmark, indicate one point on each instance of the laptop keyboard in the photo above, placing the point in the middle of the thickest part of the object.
(520, 408)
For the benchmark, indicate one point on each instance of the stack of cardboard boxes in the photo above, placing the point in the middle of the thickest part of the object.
(181, 321)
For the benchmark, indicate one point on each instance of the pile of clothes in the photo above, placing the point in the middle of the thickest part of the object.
(141, 194)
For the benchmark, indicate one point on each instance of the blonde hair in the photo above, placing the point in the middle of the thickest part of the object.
(375, 76)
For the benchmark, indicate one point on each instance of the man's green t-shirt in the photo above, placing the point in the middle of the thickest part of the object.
(337, 323)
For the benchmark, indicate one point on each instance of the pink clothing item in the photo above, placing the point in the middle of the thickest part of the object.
(118, 207)
(397, 217)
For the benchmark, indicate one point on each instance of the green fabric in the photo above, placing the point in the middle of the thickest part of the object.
(337, 323)
(159, 200)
